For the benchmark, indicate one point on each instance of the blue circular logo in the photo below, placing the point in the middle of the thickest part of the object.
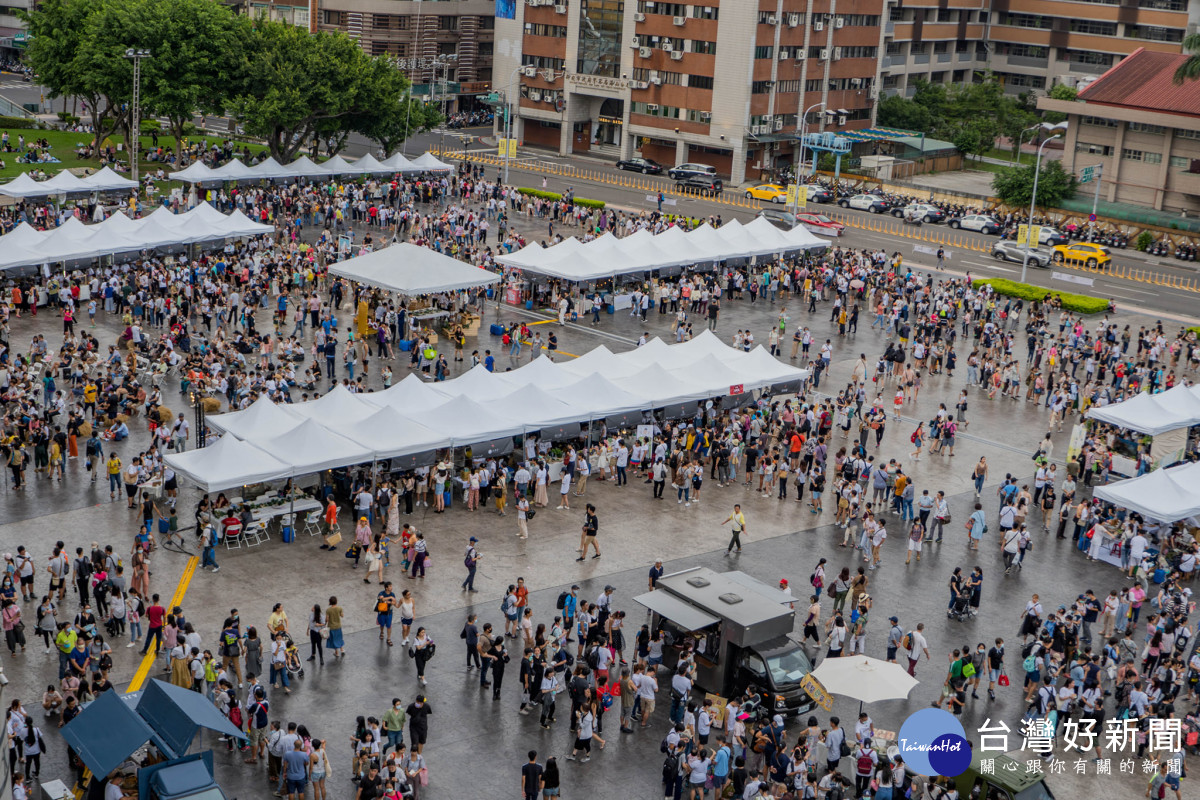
(933, 742)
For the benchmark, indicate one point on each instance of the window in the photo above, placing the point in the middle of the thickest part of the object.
(1094, 149)
(894, 48)
(764, 51)
(1182, 133)
(699, 82)
(1179, 162)
(447, 23)
(543, 62)
(1026, 50)
(787, 86)
(896, 14)
(814, 85)
(861, 20)
(1099, 122)
(484, 49)
(705, 12)
(667, 78)
(761, 87)
(947, 15)
(1152, 33)
(1142, 127)
(1131, 155)
(1152, 158)
(667, 9)
(666, 112)
(863, 51)
(962, 46)
(941, 47)
(764, 16)
(536, 29)
(488, 24)
(707, 48)
(919, 48)
(447, 48)
(1093, 26)
(1163, 5)
(1085, 57)
(1026, 21)
(1029, 81)
(333, 17)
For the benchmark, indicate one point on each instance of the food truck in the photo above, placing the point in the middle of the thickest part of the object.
(741, 630)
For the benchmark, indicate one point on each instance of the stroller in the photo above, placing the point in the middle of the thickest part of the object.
(961, 610)
(292, 660)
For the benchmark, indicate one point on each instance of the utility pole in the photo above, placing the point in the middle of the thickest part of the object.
(135, 110)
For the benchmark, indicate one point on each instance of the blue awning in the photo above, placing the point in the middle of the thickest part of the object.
(107, 732)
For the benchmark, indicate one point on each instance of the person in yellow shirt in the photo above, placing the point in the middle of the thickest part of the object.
(56, 460)
(114, 475)
(739, 527)
(90, 393)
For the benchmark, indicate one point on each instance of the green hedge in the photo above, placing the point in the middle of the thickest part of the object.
(1071, 302)
(17, 122)
(579, 201)
(1195, 329)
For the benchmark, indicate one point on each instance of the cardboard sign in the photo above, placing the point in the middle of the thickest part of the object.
(817, 692)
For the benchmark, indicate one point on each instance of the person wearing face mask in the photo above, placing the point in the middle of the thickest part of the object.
(393, 725)
(979, 660)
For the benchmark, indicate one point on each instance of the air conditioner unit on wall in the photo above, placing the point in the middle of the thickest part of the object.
(639, 16)
(560, 9)
(635, 42)
(529, 72)
(705, 116)
(818, 26)
(856, 81)
(840, 22)
(680, 21)
(793, 20)
(758, 130)
(652, 107)
(837, 53)
(535, 97)
(677, 55)
(644, 52)
(841, 121)
(824, 53)
(657, 81)
(772, 20)
(667, 46)
(779, 124)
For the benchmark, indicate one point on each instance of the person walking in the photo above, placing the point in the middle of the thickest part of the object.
(471, 562)
(739, 527)
(591, 526)
(333, 624)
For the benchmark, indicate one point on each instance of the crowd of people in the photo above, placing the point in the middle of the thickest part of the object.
(259, 318)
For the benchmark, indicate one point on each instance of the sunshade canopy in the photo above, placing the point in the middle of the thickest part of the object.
(413, 270)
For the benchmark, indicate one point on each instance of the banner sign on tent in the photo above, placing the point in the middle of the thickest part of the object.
(737, 388)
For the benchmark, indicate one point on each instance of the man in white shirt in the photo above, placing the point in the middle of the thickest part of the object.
(647, 685)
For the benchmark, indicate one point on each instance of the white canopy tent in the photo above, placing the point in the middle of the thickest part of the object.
(428, 162)
(606, 256)
(105, 180)
(1166, 495)
(1153, 414)
(410, 394)
(412, 270)
(262, 417)
(74, 240)
(227, 463)
(312, 447)
(388, 433)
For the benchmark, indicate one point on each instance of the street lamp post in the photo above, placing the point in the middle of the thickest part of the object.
(508, 96)
(135, 107)
(1037, 167)
(804, 132)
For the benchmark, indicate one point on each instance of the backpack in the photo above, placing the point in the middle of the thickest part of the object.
(670, 768)
(907, 641)
(561, 603)
(593, 658)
(913, 438)
(968, 670)
(1030, 663)
(864, 764)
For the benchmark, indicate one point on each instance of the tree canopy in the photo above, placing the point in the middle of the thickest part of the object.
(283, 84)
(1014, 185)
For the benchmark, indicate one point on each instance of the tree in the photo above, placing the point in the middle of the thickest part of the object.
(197, 58)
(899, 112)
(1014, 186)
(1189, 70)
(299, 86)
(1060, 91)
(975, 137)
(63, 53)
(391, 125)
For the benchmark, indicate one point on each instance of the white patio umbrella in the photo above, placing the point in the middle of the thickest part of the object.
(865, 679)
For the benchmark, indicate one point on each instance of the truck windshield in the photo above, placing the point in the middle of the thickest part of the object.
(789, 667)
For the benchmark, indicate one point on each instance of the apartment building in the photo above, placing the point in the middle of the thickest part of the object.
(444, 46)
(725, 82)
(1030, 44)
(1142, 129)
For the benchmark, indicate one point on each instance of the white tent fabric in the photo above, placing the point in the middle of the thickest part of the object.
(412, 270)
(227, 463)
(262, 417)
(607, 256)
(105, 180)
(312, 447)
(1166, 495)
(430, 163)
(270, 169)
(74, 240)
(414, 416)
(1152, 414)
(64, 182)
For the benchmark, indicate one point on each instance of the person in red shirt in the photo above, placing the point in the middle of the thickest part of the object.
(155, 616)
(522, 593)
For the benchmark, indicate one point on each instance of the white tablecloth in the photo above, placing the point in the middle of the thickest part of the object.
(300, 507)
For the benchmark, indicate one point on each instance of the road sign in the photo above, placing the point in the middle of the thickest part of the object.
(1091, 217)
(1035, 234)
(1085, 175)
(509, 144)
(793, 191)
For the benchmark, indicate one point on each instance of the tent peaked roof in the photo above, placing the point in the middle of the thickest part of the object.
(428, 162)
(227, 463)
(25, 186)
(338, 166)
(339, 404)
(390, 433)
(598, 393)
(535, 403)
(413, 270)
(410, 394)
(262, 418)
(311, 447)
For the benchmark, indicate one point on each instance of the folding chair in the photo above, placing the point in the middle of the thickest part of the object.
(232, 535)
(312, 523)
(255, 534)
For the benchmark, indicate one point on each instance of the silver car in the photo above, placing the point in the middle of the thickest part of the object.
(1007, 250)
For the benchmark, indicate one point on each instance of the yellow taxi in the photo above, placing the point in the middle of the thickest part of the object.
(771, 192)
(1093, 255)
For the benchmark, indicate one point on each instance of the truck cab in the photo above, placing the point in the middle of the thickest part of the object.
(1009, 780)
(740, 630)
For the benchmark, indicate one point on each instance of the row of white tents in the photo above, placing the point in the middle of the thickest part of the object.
(1153, 414)
(607, 256)
(25, 245)
(304, 167)
(479, 409)
(66, 182)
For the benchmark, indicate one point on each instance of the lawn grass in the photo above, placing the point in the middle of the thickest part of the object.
(63, 144)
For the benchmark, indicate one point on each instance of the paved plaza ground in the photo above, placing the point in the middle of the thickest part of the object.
(477, 745)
